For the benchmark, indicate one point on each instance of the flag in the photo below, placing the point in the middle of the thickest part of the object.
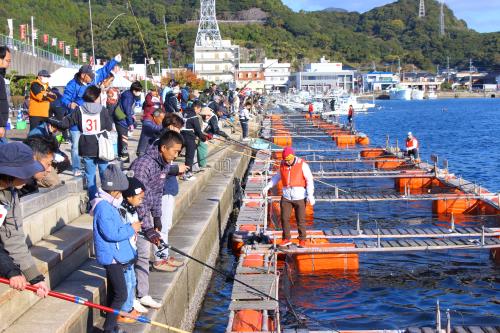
(84, 57)
(22, 31)
(35, 33)
(45, 39)
(68, 50)
(76, 52)
(61, 45)
(10, 23)
(54, 42)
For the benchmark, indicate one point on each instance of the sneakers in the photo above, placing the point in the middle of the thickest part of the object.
(285, 243)
(188, 176)
(125, 159)
(77, 173)
(174, 262)
(149, 302)
(127, 320)
(246, 139)
(139, 307)
(163, 266)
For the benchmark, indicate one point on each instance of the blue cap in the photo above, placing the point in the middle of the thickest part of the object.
(16, 160)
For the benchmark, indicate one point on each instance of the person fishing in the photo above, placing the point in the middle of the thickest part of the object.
(298, 184)
(412, 146)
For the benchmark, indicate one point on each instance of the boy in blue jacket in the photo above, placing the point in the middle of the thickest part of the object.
(112, 241)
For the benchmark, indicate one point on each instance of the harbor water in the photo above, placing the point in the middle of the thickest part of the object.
(395, 291)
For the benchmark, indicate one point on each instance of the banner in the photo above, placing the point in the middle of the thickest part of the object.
(45, 39)
(61, 45)
(35, 33)
(10, 23)
(84, 57)
(76, 52)
(68, 50)
(22, 32)
(54, 42)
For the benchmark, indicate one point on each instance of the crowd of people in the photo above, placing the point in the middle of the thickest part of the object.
(132, 209)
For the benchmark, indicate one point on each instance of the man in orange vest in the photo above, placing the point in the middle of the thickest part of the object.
(412, 146)
(40, 98)
(298, 187)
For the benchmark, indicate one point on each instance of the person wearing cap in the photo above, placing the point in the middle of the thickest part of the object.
(17, 166)
(113, 248)
(298, 187)
(151, 129)
(73, 97)
(124, 118)
(40, 98)
(412, 146)
(5, 60)
(190, 132)
(170, 101)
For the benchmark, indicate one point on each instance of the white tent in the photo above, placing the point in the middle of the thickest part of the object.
(121, 82)
(62, 76)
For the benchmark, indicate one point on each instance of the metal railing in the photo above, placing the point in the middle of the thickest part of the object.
(26, 48)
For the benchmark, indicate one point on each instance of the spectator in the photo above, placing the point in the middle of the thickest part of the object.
(171, 102)
(190, 132)
(151, 129)
(73, 97)
(91, 120)
(152, 102)
(16, 166)
(5, 59)
(185, 92)
(244, 116)
(40, 98)
(124, 118)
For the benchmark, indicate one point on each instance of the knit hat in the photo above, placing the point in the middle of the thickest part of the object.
(16, 160)
(287, 152)
(135, 187)
(114, 179)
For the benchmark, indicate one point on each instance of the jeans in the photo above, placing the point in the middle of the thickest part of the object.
(90, 168)
(244, 128)
(129, 273)
(117, 293)
(75, 158)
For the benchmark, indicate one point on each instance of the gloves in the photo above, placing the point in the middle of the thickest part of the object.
(311, 200)
(157, 223)
(118, 58)
(209, 136)
(152, 236)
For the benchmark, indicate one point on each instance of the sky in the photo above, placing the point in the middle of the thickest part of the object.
(480, 15)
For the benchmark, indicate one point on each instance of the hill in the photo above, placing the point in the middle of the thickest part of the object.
(381, 35)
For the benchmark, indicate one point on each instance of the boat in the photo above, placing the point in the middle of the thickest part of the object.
(400, 93)
(432, 94)
(417, 94)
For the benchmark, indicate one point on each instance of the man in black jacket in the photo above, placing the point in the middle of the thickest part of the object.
(190, 132)
(5, 59)
(171, 102)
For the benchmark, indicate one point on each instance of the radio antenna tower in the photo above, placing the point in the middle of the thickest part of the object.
(421, 9)
(441, 19)
(208, 29)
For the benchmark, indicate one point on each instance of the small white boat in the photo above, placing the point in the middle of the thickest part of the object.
(417, 94)
(400, 93)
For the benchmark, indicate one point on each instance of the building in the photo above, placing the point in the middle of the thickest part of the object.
(322, 77)
(276, 74)
(378, 81)
(251, 75)
(217, 63)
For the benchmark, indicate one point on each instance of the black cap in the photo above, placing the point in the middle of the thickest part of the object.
(135, 187)
(44, 73)
(87, 69)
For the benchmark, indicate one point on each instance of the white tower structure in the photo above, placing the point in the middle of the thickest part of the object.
(208, 29)
(215, 60)
(441, 19)
(421, 9)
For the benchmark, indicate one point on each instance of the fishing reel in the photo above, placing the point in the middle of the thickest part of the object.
(162, 247)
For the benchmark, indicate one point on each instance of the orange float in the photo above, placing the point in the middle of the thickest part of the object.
(455, 206)
(363, 140)
(250, 321)
(345, 140)
(372, 153)
(283, 141)
(394, 164)
(416, 183)
(319, 262)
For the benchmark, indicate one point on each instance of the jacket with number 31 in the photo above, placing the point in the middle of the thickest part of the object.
(91, 119)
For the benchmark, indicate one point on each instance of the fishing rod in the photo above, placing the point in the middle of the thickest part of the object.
(84, 302)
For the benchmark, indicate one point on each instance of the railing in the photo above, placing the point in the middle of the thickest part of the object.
(20, 46)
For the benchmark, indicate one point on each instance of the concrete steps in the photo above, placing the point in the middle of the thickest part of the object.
(64, 254)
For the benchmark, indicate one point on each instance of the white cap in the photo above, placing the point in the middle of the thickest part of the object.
(409, 134)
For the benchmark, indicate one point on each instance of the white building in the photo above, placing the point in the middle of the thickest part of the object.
(322, 77)
(378, 81)
(276, 74)
(217, 64)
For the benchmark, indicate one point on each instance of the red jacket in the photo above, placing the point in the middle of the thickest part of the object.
(150, 105)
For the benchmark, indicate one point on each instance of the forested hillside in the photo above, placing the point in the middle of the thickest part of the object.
(378, 36)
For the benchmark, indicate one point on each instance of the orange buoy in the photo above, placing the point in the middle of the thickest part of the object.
(247, 321)
(372, 153)
(283, 141)
(345, 139)
(253, 260)
(318, 262)
(394, 164)
(455, 206)
(363, 140)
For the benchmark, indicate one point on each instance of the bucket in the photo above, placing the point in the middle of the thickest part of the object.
(21, 125)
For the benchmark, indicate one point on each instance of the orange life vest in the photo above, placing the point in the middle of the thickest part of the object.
(292, 176)
(412, 142)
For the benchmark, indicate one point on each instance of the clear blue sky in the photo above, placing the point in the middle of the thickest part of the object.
(480, 15)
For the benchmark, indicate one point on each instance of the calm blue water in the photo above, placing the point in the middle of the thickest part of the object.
(397, 290)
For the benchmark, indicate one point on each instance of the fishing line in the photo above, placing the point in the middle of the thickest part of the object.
(141, 35)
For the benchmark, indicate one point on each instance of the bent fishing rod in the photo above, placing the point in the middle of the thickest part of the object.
(84, 302)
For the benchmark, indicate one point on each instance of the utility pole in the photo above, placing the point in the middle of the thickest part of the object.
(448, 68)
(441, 19)
(470, 75)
(421, 9)
(33, 34)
